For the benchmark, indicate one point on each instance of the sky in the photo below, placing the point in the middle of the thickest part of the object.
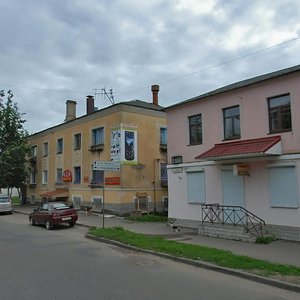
(58, 50)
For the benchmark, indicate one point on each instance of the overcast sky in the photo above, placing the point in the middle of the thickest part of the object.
(55, 50)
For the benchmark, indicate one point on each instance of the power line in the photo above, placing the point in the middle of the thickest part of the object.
(214, 66)
(168, 80)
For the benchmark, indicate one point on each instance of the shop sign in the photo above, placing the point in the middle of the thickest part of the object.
(67, 176)
(241, 170)
(112, 180)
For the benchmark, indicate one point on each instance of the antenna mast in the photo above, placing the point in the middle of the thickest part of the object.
(109, 95)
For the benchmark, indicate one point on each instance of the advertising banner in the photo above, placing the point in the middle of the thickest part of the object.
(123, 144)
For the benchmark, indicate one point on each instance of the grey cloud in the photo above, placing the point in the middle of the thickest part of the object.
(65, 49)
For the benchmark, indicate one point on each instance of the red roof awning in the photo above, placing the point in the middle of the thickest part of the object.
(59, 193)
(266, 146)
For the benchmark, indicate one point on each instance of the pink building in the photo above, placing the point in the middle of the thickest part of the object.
(234, 158)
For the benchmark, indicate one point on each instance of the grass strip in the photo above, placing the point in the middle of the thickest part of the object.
(219, 257)
(149, 218)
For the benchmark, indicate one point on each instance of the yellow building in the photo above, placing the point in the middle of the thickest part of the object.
(67, 159)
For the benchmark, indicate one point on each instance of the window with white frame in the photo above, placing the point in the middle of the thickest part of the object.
(163, 136)
(98, 136)
(60, 146)
(77, 201)
(59, 175)
(98, 176)
(32, 199)
(77, 141)
(177, 159)
(163, 174)
(34, 151)
(196, 187)
(283, 186)
(97, 202)
(77, 174)
(45, 177)
(45, 149)
(33, 177)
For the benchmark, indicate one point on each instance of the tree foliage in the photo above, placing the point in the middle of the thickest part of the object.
(13, 145)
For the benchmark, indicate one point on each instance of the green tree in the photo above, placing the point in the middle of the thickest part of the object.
(13, 145)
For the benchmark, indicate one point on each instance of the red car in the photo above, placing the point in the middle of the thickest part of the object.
(53, 213)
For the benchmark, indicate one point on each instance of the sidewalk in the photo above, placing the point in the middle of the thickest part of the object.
(282, 252)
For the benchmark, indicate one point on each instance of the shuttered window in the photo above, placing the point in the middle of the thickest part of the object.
(196, 187)
(283, 187)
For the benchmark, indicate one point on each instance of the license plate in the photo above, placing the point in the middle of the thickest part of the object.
(66, 219)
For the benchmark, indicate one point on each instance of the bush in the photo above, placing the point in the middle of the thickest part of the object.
(264, 239)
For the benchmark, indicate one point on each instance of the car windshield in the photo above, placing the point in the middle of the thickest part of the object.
(59, 206)
(4, 199)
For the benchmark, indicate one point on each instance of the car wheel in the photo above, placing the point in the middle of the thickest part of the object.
(31, 221)
(72, 224)
(48, 225)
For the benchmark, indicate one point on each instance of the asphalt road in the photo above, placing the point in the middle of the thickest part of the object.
(62, 264)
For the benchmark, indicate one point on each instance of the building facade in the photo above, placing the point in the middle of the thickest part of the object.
(238, 147)
(130, 134)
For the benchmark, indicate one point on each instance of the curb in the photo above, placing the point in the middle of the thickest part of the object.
(205, 265)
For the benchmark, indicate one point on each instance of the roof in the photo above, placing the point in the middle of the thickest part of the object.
(240, 84)
(143, 104)
(134, 103)
(58, 193)
(242, 149)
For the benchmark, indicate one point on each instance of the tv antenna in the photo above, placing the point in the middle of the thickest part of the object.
(105, 95)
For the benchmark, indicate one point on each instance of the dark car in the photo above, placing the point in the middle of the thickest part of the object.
(53, 213)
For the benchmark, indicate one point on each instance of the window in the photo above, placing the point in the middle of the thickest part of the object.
(163, 136)
(231, 123)
(45, 149)
(283, 187)
(77, 141)
(177, 159)
(45, 177)
(97, 202)
(163, 175)
(195, 127)
(280, 114)
(34, 152)
(98, 176)
(45, 206)
(59, 146)
(196, 187)
(98, 136)
(59, 175)
(77, 202)
(77, 174)
(33, 177)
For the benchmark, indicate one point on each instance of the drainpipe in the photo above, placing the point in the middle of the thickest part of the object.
(156, 160)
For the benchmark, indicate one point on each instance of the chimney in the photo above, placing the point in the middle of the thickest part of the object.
(155, 89)
(89, 104)
(70, 110)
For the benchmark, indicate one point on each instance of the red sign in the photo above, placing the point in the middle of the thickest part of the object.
(112, 180)
(67, 176)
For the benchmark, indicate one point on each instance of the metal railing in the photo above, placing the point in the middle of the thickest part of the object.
(234, 215)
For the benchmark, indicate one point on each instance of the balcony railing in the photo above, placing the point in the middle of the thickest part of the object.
(234, 215)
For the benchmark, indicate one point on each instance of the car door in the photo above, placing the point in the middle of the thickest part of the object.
(44, 213)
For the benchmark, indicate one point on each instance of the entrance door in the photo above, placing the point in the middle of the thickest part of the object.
(233, 192)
